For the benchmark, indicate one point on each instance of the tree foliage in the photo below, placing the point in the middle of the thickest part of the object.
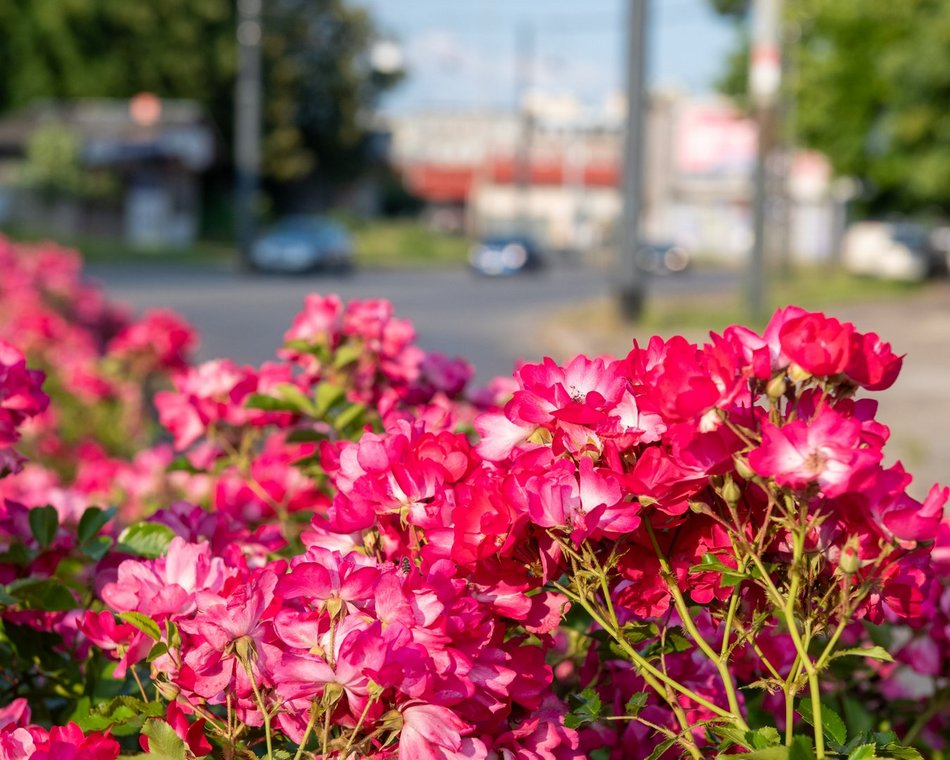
(317, 80)
(870, 80)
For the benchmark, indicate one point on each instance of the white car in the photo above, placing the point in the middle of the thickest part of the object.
(890, 250)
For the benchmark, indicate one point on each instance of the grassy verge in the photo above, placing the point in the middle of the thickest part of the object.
(405, 243)
(694, 315)
(378, 243)
(107, 250)
(814, 288)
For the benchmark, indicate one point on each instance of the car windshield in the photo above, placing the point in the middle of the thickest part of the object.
(910, 235)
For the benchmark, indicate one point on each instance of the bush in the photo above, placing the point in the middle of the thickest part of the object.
(690, 551)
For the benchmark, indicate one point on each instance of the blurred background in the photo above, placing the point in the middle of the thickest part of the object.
(521, 177)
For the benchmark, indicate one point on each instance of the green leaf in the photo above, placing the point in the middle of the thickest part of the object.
(42, 594)
(306, 435)
(712, 564)
(143, 622)
(157, 651)
(92, 521)
(43, 523)
(832, 726)
(145, 539)
(635, 703)
(875, 653)
(268, 403)
(864, 752)
(347, 354)
(349, 417)
(639, 632)
(172, 635)
(660, 748)
(587, 708)
(122, 715)
(328, 395)
(767, 736)
(164, 743)
(730, 735)
(857, 716)
(898, 752)
(767, 753)
(181, 464)
(800, 750)
(96, 547)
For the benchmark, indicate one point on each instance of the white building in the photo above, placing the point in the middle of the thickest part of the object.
(555, 171)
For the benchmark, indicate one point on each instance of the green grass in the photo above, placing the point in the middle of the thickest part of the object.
(405, 243)
(813, 288)
(108, 250)
(378, 243)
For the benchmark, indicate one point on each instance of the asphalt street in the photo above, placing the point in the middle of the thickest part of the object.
(491, 322)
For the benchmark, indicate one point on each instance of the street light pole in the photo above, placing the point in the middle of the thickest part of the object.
(765, 77)
(247, 121)
(630, 280)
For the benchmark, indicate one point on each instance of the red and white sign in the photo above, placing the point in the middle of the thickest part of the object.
(713, 138)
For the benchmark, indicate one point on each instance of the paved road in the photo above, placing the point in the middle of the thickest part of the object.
(492, 323)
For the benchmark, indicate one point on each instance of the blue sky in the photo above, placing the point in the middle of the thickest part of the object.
(461, 53)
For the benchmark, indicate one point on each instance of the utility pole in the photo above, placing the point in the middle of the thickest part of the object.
(524, 64)
(247, 122)
(630, 279)
(765, 78)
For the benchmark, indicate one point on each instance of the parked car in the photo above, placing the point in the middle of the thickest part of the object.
(505, 255)
(892, 250)
(662, 258)
(299, 244)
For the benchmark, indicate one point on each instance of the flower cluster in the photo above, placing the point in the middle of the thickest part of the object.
(345, 553)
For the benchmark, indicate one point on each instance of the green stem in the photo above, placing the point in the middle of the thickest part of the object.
(940, 701)
(798, 541)
(789, 715)
(326, 730)
(138, 681)
(309, 730)
(264, 713)
(687, 619)
(649, 673)
(730, 618)
(359, 725)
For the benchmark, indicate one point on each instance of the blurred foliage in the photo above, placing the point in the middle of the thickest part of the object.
(52, 167)
(871, 80)
(318, 84)
(732, 7)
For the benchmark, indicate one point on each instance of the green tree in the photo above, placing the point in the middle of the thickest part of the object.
(870, 79)
(318, 84)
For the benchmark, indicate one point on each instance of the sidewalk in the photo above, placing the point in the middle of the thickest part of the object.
(916, 408)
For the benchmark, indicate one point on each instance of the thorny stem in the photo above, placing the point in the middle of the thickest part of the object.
(359, 725)
(687, 619)
(138, 681)
(798, 543)
(306, 734)
(940, 701)
(650, 674)
(264, 712)
(730, 615)
(326, 730)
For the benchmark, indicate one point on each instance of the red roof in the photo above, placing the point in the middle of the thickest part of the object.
(452, 183)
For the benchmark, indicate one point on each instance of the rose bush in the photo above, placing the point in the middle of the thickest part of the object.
(693, 550)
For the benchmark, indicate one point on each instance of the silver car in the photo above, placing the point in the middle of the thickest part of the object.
(299, 244)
